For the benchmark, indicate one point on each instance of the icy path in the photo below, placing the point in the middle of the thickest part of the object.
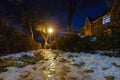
(52, 68)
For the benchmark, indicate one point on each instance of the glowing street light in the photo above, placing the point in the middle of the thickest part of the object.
(50, 31)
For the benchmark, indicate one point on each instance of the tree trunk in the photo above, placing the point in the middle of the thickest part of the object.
(31, 32)
(70, 15)
(115, 11)
(70, 23)
(57, 47)
(45, 42)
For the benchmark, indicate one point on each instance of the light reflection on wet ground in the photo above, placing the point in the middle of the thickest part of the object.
(56, 70)
(53, 69)
(49, 72)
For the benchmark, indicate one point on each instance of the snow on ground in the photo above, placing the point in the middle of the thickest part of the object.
(44, 70)
(54, 69)
(50, 68)
(102, 65)
(21, 54)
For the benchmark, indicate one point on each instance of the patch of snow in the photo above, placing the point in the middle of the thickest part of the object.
(78, 61)
(18, 55)
(93, 39)
(97, 63)
(106, 65)
(82, 36)
(19, 62)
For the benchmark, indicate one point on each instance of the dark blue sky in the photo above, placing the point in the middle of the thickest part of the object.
(86, 8)
(91, 10)
(79, 18)
(55, 11)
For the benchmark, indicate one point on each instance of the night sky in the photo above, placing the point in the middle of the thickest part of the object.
(55, 11)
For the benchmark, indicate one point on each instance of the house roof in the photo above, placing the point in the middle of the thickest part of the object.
(95, 18)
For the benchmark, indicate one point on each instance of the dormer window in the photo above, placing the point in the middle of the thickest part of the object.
(106, 19)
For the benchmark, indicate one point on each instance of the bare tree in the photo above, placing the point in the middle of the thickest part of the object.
(115, 11)
(43, 31)
(69, 6)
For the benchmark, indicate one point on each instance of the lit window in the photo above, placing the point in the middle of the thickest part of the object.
(106, 19)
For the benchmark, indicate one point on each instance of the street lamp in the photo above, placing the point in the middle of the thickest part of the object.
(50, 31)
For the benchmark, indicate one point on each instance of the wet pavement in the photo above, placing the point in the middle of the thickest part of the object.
(53, 68)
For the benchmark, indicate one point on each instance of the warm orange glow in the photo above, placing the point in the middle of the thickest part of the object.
(50, 30)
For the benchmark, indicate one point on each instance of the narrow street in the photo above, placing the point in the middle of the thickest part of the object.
(53, 68)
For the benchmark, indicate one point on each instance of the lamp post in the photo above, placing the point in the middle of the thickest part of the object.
(50, 31)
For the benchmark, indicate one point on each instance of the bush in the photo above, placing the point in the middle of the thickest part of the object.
(109, 77)
(2, 69)
(115, 64)
(80, 65)
(12, 41)
(105, 68)
(19, 62)
(107, 38)
(88, 71)
(73, 43)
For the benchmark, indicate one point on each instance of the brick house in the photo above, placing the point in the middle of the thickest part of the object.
(93, 25)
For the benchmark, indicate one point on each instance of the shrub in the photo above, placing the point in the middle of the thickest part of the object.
(19, 62)
(80, 65)
(107, 38)
(88, 71)
(12, 41)
(73, 43)
(3, 69)
(115, 64)
(105, 68)
(109, 77)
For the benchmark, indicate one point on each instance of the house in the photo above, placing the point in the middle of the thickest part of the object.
(95, 25)
(92, 24)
